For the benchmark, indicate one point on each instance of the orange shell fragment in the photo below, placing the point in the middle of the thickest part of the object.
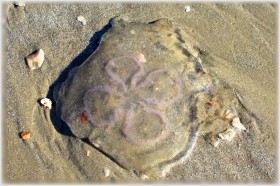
(211, 102)
(141, 58)
(83, 118)
(25, 135)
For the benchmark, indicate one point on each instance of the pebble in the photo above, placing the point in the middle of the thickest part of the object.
(82, 19)
(237, 124)
(46, 102)
(35, 60)
(25, 135)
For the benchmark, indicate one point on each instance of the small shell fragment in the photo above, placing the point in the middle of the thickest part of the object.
(220, 112)
(106, 172)
(46, 102)
(215, 142)
(83, 118)
(237, 124)
(228, 134)
(25, 135)
(36, 59)
(96, 144)
(87, 152)
(187, 8)
(82, 19)
(229, 114)
(144, 177)
(141, 57)
(211, 102)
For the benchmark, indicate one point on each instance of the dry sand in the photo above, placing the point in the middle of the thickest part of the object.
(239, 43)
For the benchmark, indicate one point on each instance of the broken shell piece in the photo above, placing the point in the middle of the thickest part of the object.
(220, 112)
(106, 172)
(215, 142)
(144, 177)
(46, 102)
(87, 152)
(83, 118)
(187, 8)
(237, 124)
(141, 58)
(35, 60)
(25, 135)
(212, 139)
(228, 134)
(229, 114)
(82, 19)
(96, 144)
(211, 102)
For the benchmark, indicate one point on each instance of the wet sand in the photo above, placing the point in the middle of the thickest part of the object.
(238, 42)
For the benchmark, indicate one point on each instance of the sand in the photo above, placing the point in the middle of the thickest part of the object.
(239, 46)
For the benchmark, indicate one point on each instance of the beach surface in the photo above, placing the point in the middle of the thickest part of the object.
(238, 42)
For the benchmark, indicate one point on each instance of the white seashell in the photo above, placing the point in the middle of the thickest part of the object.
(36, 59)
(237, 124)
(106, 172)
(144, 177)
(96, 143)
(82, 19)
(19, 4)
(46, 102)
(187, 8)
(228, 134)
